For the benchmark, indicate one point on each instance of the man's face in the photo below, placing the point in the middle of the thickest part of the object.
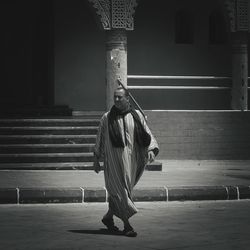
(120, 99)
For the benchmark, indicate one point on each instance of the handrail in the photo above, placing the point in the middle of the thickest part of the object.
(177, 87)
(180, 77)
(132, 98)
(167, 77)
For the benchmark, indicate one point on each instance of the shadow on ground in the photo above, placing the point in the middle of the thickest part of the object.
(101, 231)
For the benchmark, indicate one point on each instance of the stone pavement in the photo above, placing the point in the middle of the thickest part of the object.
(178, 180)
(206, 225)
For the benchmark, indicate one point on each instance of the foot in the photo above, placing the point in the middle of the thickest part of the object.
(109, 223)
(129, 232)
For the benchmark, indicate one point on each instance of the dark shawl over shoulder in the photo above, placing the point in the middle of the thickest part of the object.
(141, 136)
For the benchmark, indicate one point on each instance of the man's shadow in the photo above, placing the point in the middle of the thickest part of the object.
(101, 231)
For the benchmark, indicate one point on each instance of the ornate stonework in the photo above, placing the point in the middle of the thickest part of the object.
(131, 6)
(238, 14)
(115, 14)
(103, 11)
(242, 15)
(118, 9)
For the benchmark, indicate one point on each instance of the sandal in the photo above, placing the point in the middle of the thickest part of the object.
(109, 223)
(129, 232)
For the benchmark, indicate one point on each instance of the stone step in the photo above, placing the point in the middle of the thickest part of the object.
(47, 139)
(38, 130)
(71, 121)
(154, 166)
(50, 143)
(46, 157)
(48, 166)
(35, 111)
(46, 148)
(84, 130)
(85, 114)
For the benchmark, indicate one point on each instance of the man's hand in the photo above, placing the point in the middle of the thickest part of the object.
(97, 167)
(151, 156)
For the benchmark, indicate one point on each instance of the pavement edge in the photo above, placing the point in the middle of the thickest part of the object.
(99, 194)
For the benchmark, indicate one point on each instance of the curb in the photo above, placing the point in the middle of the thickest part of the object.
(99, 194)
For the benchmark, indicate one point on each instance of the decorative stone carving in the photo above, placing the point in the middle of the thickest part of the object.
(242, 15)
(119, 11)
(115, 14)
(238, 12)
(132, 4)
(103, 11)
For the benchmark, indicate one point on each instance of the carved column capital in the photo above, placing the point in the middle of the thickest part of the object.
(238, 14)
(115, 14)
(102, 8)
(122, 12)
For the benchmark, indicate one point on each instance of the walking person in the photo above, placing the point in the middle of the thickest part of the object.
(126, 144)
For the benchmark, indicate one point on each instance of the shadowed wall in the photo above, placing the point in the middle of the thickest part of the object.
(80, 56)
(53, 52)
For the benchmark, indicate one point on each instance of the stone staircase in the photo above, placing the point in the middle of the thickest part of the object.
(50, 143)
(47, 143)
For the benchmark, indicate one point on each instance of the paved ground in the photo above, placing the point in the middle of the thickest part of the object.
(178, 180)
(174, 173)
(220, 225)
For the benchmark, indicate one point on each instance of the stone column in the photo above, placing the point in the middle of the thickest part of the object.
(239, 71)
(116, 62)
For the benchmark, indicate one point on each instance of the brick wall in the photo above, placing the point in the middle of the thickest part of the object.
(201, 134)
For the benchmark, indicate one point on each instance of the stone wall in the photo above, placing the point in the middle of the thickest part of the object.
(201, 135)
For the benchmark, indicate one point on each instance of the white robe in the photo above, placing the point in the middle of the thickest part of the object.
(122, 166)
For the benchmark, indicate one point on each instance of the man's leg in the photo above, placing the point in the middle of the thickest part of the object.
(128, 229)
(108, 221)
(109, 214)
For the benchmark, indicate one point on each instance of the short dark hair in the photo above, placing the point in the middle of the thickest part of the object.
(125, 90)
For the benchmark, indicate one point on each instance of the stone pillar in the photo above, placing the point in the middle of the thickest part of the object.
(116, 17)
(116, 62)
(239, 71)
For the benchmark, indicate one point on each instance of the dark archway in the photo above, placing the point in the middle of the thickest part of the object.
(27, 53)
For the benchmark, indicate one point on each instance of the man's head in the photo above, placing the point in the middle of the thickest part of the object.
(121, 98)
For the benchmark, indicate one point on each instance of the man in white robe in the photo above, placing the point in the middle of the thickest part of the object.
(126, 144)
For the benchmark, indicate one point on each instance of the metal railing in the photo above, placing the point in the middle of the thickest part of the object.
(151, 77)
